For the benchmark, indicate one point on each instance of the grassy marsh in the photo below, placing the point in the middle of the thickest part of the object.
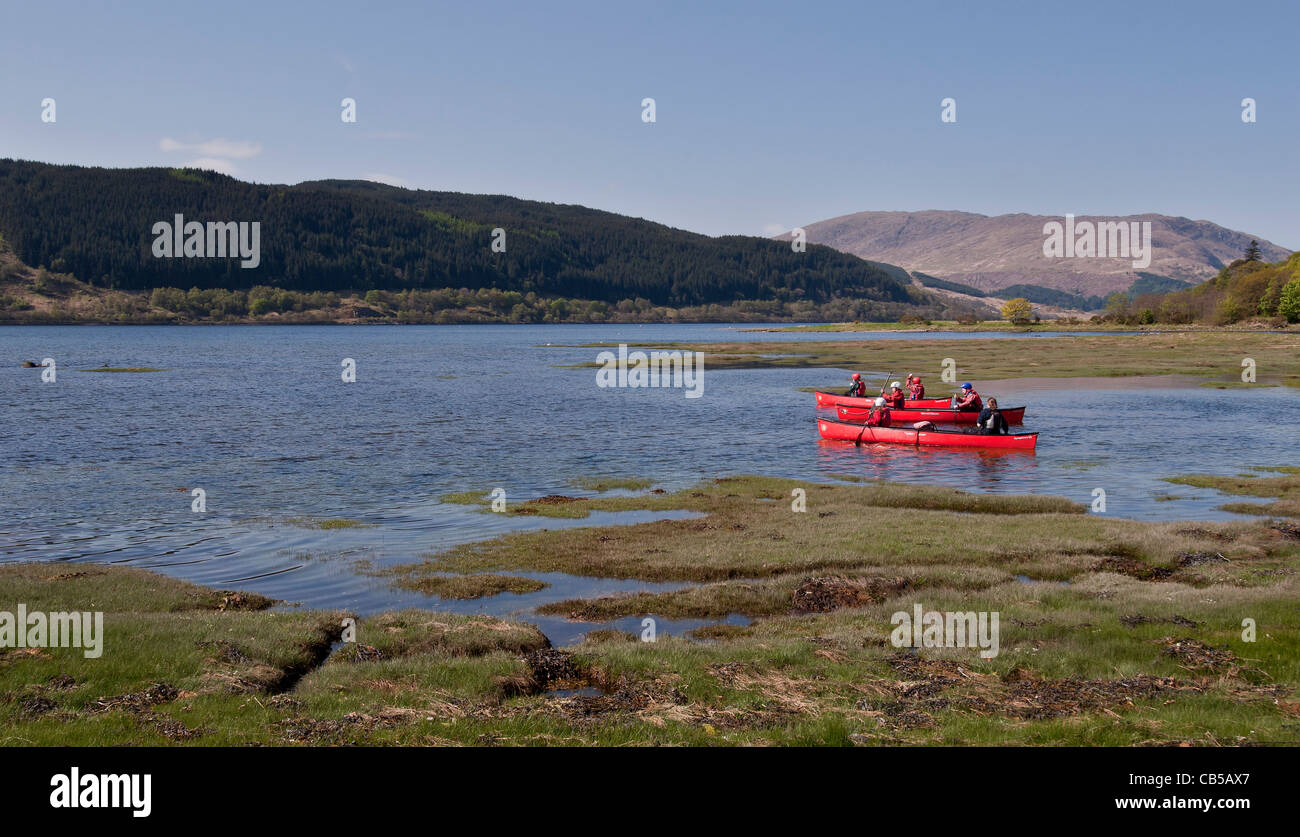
(327, 524)
(603, 484)
(1075, 326)
(470, 586)
(1144, 645)
(1200, 353)
(1285, 488)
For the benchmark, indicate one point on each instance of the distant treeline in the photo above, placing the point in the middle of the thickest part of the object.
(1039, 295)
(1245, 290)
(442, 306)
(1146, 283)
(355, 236)
(943, 284)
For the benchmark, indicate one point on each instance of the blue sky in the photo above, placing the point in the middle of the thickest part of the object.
(769, 115)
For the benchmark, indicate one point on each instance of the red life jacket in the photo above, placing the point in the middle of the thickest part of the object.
(971, 401)
(858, 390)
(878, 417)
(918, 391)
(895, 399)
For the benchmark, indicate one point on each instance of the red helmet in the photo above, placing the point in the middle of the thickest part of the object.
(856, 376)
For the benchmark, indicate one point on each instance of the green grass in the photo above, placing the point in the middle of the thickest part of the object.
(1213, 354)
(1235, 384)
(944, 326)
(332, 523)
(417, 633)
(1122, 655)
(602, 484)
(1286, 488)
(466, 498)
(469, 586)
(1083, 327)
(873, 493)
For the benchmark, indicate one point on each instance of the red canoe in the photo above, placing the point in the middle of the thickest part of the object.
(826, 399)
(1013, 415)
(861, 434)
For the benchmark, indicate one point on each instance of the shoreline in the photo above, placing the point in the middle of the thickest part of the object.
(1212, 358)
(1111, 632)
(739, 325)
(1095, 382)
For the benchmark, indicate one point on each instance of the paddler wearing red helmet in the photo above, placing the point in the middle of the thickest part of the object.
(915, 389)
(859, 388)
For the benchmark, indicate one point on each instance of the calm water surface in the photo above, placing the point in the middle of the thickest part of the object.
(98, 467)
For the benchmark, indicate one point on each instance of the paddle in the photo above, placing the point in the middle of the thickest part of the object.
(858, 441)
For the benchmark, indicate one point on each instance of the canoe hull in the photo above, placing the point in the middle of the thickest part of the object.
(828, 400)
(844, 431)
(1013, 415)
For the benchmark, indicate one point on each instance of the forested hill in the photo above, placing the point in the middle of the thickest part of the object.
(334, 235)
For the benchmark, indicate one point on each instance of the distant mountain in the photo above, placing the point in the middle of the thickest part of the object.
(343, 236)
(994, 252)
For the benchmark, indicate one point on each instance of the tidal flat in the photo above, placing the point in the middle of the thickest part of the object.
(1218, 355)
(1112, 631)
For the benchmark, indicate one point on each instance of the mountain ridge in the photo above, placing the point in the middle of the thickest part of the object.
(354, 236)
(92, 244)
(991, 252)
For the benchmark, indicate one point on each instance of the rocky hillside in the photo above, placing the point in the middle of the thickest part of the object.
(994, 252)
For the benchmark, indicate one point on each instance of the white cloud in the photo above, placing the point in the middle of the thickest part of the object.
(389, 179)
(218, 147)
(214, 163)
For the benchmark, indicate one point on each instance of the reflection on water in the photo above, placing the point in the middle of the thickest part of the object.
(100, 467)
(974, 469)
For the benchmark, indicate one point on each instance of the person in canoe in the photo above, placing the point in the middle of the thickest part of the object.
(879, 415)
(968, 399)
(859, 388)
(915, 389)
(895, 397)
(991, 421)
